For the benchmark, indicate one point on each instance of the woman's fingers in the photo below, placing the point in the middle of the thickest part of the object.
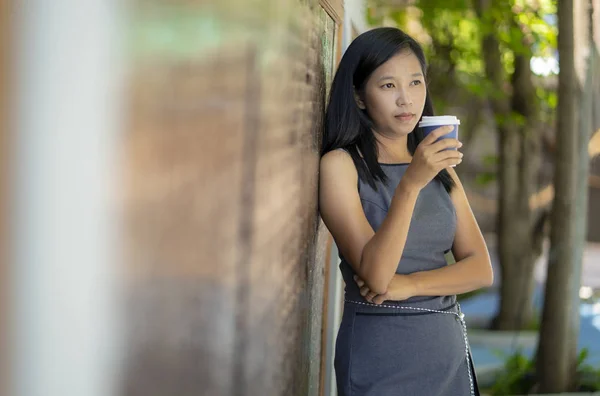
(448, 158)
(370, 296)
(443, 144)
(447, 155)
(379, 299)
(436, 134)
(365, 291)
(450, 162)
(359, 281)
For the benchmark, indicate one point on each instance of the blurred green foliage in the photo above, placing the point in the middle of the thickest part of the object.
(451, 32)
(518, 376)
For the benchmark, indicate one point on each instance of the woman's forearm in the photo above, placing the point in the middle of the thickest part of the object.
(381, 255)
(466, 275)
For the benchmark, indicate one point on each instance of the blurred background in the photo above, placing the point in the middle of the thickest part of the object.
(159, 163)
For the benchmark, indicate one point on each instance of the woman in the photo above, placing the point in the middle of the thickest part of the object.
(395, 207)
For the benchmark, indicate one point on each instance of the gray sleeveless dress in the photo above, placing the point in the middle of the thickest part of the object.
(416, 347)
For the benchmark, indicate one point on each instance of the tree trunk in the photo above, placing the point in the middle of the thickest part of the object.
(557, 353)
(520, 163)
(513, 234)
(517, 168)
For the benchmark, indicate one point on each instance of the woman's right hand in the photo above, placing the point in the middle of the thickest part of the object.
(431, 157)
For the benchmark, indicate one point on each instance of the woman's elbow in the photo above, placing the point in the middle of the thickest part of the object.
(489, 280)
(488, 275)
(376, 281)
(378, 286)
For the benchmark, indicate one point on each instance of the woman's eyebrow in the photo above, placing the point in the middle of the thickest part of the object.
(391, 78)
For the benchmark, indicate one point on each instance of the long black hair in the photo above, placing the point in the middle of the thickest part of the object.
(350, 128)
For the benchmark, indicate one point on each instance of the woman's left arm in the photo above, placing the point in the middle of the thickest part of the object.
(472, 270)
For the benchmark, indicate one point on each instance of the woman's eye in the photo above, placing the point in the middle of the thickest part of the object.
(388, 85)
(416, 82)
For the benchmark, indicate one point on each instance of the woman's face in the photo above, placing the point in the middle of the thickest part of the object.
(394, 95)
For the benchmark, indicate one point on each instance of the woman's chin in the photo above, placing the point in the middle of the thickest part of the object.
(404, 131)
(395, 131)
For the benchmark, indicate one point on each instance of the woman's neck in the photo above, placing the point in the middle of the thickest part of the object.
(393, 150)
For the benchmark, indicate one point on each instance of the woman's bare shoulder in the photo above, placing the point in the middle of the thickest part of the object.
(338, 160)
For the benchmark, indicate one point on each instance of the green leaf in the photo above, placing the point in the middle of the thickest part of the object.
(552, 100)
(583, 355)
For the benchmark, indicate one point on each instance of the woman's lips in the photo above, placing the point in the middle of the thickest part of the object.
(404, 117)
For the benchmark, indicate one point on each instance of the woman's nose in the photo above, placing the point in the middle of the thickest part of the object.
(403, 98)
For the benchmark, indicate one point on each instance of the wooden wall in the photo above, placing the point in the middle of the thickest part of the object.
(226, 252)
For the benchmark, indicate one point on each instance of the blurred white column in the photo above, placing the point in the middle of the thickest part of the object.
(355, 17)
(65, 240)
(334, 318)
